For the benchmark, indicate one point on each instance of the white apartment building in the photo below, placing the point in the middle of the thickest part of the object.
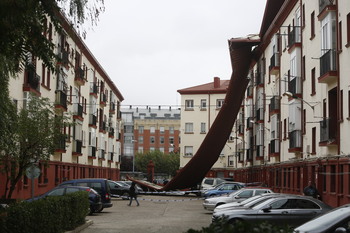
(199, 108)
(295, 120)
(83, 88)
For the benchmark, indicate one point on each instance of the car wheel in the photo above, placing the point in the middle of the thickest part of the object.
(125, 196)
(100, 210)
(219, 204)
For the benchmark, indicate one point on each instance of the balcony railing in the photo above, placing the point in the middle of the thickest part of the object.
(61, 99)
(259, 151)
(328, 62)
(33, 79)
(93, 88)
(103, 126)
(274, 103)
(260, 114)
(294, 85)
(101, 154)
(295, 139)
(110, 156)
(274, 61)
(61, 143)
(249, 122)
(327, 130)
(294, 36)
(323, 3)
(111, 132)
(92, 119)
(249, 91)
(249, 154)
(258, 78)
(78, 110)
(92, 151)
(77, 145)
(274, 146)
(103, 98)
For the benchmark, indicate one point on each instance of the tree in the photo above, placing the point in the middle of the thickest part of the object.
(23, 28)
(35, 133)
(163, 163)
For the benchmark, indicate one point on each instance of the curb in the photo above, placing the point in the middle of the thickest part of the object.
(81, 227)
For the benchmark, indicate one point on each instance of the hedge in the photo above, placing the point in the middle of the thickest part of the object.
(53, 214)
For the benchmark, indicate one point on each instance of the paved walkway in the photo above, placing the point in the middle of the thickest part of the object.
(155, 214)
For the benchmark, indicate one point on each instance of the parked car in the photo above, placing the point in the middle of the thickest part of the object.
(249, 202)
(336, 220)
(290, 210)
(98, 184)
(209, 183)
(128, 182)
(119, 189)
(223, 188)
(94, 197)
(240, 195)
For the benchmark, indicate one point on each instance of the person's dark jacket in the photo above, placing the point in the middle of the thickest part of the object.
(132, 191)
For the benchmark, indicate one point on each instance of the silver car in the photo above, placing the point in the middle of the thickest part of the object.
(291, 210)
(337, 220)
(240, 195)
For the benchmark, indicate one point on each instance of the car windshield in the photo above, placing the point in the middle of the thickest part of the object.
(324, 220)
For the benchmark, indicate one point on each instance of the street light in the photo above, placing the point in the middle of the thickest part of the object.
(291, 95)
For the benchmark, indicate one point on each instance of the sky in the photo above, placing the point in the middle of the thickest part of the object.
(152, 48)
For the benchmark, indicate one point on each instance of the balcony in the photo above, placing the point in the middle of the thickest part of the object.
(112, 108)
(328, 131)
(294, 86)
(294, 37)
(250, 122)
(61, 100)
(274, 106)
(249, 154)
(241, 129)
(92, 120)
(325, 5)
(93, 89)
(102, 126)
(274, 147)
(274, 64)
(328, 67)
(295, 141)
(101, 154)
(110, 156)
(92, 152)
(63, 58)
(61, 144)
(78, 111)
(32, 79)
(79, 76)
(259, 80)
(250, 91)
(260, 114)
(103, 99)
(111, 132)
(259, 152)
(77, 146)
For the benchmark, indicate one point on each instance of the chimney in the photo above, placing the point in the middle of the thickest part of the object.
(216, 82)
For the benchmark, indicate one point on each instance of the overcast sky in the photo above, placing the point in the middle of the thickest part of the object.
(152, 48)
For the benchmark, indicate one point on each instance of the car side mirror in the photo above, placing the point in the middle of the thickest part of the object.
(267, 209)
(340, 230)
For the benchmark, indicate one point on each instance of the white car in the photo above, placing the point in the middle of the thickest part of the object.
(242, 194)
(209, 183)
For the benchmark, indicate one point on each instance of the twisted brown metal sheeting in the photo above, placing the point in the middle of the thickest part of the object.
(209, 151)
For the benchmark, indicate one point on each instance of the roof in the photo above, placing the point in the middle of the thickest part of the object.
(216, 87)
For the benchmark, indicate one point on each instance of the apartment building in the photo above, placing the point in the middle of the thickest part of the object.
(294, 119)
(147, 129)
(200, 106)
(91, 147)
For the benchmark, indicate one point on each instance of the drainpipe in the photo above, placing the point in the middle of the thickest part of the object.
(338, 77)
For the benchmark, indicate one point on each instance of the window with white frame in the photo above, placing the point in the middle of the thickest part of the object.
(127, 139)
(161, 149)
(127, 117)
(152, 129)
(189, 104)
(188, 127)
(203, 104)
(161, 139)
(188, 150)
(171, 140)
(141, 129)
(171, 130)
(140, 149)
(219, 103)
(78, 131)
(140, 139)
(152, 139)
(161, 129)
(152, 148)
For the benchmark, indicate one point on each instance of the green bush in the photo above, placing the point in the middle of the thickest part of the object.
(222, 226)
(53, 214)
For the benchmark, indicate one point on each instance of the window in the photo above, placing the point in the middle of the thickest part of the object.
(171, 140)
(161, 149)
(140, 140)
(161, 129)
(127, 139)
(153, 129)
(162, 140)
(188, 127)
(313, 146)
(203, 104)
(152, 148)
(152, 139)
(188, 104)
(203, 127)
(340, 34)
(171, 130)
(188, 150)
(313, 81)
(128, 129)
(219, 103)
(312, 22)
(141, 128)
(341, 106)
(140, 149)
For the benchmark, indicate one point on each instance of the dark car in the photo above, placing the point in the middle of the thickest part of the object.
(290, 210)
(223, 188)
(98, 184)
(94, 197)
(337, 220)
(119, 189)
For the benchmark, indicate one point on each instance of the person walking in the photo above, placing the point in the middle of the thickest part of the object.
(311, 190)
(133, 194)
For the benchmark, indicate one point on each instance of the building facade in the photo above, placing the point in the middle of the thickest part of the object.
(294, 120)
(200, 106)
(149, 129)
(91, 147)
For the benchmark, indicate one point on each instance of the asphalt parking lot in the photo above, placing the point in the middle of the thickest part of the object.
(171, 214)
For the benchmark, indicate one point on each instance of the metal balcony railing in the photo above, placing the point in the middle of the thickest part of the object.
(61, 143)
(92, 119)
(328, 62)
(274, 146)
(78, 110)
(294, 36)
(294, 85)
(327, 131)
(61, 98)
(274, 60)
(92, 151)
(295, 139)
(274, 103)
(93, 88)
(33, 79)
(77, 145)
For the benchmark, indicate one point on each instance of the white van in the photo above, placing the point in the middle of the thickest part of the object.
(209, 183)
